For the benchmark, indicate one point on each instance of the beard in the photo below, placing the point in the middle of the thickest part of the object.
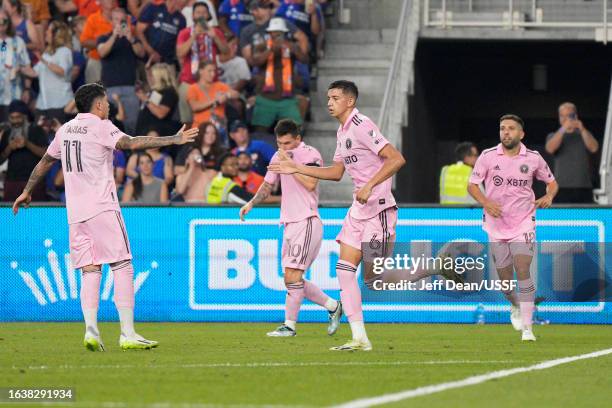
(511, 144)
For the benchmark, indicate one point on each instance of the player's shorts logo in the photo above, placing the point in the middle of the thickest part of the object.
(498, 181)
(374, 243)
(349, 143)
(524, 169)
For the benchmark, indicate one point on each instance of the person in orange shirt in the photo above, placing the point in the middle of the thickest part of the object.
(84, 8)
(97, 24)
(207, 97)
(247, 178)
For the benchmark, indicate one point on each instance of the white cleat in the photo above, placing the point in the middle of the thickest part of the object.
(354, 345)
(515, 318)
(282, 331)
(528, 335)
(93, 342)
(136, 342)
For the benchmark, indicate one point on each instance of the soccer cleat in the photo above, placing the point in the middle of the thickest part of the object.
(354, 345)
(528, 335)
(449, 273)
(93, 343)
(137, 342)
(515, 318)
(282, 331)
(334, 320)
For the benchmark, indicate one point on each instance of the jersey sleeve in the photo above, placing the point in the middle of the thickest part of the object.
(224, 8)
(543, 172)
(369, 135)
(54, 150)
(272, 178)
(479, 173)
(110, 134)
(314, 158)
(147, 15)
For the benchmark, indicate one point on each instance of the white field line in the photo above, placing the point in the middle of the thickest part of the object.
(118, 404)
(477, 379)
(267, 364)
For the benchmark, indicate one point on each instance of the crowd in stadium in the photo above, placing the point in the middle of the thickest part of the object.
(232, 68)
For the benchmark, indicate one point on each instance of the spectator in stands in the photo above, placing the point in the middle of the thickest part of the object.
(120, 50)
(234, 16)
(211, 18)
(145, 187)
(571, 145)
(162, 163)
(119, 164)
(158, 106)
(454, 178)
(83, 8)
(96, 25)
(207, 97)
(235, 72)
(193, 182)
(261, 153)
(208, 144)
(79, 62)
(201, 42)
(13, 60)
(54, 69)
(247, 178)
(22, 144)
(158, 27)
(276, 81)
(306, 17)
(255, 35)
(38, 10)
(24, 27)
(222, 189)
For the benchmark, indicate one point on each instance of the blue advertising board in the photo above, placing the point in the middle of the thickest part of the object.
(203, 264)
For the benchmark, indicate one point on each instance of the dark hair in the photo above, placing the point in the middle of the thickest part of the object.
(287, 126)
(10, 30)
(216, 149)
(510, 116)
(200, 4)
(137, 182)
(86, 95)
(222, 159)
(464, 149)
(347, 87)
(203, 64)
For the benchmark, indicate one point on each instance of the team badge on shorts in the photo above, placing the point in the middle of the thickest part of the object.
(524, 168)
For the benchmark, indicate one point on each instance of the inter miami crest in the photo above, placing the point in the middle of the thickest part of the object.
(524, 168)
(348, 143)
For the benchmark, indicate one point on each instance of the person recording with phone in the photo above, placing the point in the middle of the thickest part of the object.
(118, 50)
(202, 42)
(572, 146)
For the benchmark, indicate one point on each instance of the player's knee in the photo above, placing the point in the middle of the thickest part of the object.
(92, 269)
(293, 276)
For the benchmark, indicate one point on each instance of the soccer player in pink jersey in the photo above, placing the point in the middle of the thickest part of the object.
(508, 171)
(303, 230)
(371, 161)
(85, 147)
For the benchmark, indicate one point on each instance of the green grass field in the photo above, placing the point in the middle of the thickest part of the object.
(209, 364)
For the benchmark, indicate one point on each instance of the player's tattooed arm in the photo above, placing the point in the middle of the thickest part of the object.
(39, 172)
(148, 142)
(265, 190)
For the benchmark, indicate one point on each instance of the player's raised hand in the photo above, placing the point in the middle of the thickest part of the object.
(363, 194)
(245, 210)
(492, 208)
(186, 136)
(24, 199)
(543, 202)
(284, 165)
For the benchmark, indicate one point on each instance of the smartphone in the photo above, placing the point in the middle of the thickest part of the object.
(202, 23)
(572, 116)
(123, 25)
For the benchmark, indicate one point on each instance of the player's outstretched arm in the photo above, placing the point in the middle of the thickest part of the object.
(491, 207)
(286, 165)
(148, 142)
(393, 161)
(39, 173)
(264, 191)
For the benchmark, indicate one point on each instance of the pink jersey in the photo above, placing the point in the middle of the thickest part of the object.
(359, 142)
(85, 145)
(508, 182)
(297, 203)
